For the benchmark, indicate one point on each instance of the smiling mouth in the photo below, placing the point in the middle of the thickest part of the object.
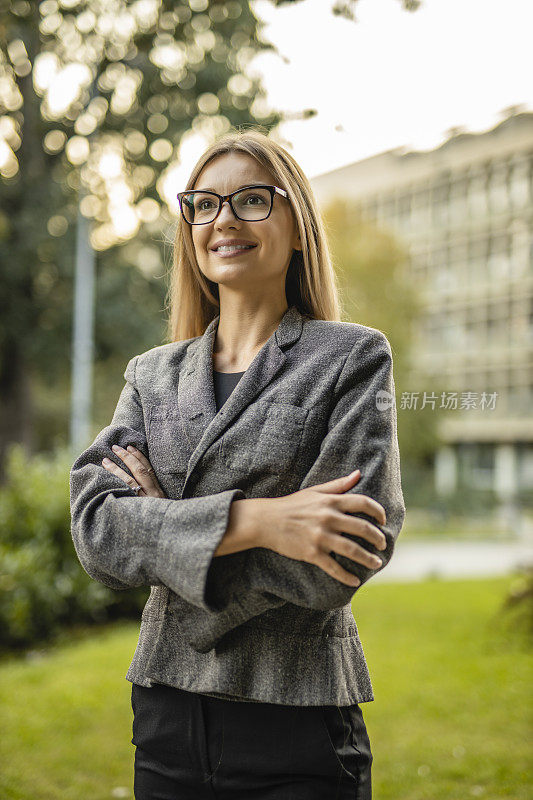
(233, 250)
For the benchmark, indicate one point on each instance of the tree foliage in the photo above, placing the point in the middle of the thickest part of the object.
(98, 99)
(373, 270)
(95, 98)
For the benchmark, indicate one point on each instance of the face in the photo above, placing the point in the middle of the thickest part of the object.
(274, 238)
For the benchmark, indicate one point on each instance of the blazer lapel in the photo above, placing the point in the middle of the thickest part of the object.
(196, 394)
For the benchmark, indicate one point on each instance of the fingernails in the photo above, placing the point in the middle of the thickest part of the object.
(354, 473)
(106, 461)
(130, 448)
(116, 448)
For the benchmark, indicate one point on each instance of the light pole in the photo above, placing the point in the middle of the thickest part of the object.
(82, 336)
(82, 327)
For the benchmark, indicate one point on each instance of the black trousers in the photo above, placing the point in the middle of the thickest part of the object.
(190, 746)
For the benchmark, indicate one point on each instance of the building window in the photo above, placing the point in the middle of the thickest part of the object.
(439, 205)
(498, 262)
(458, 205)
(525, 465)
(479, 260)
(477, 196)
(498, 190)
(477, 465)
(519, 184)
(520, 246)
(420, 210)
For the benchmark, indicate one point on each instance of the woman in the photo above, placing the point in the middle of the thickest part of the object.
(249, 671)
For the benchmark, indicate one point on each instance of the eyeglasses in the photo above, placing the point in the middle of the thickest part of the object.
(250, 204)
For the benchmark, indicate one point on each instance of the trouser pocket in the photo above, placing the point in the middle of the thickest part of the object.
(163, 724)
(350, 744)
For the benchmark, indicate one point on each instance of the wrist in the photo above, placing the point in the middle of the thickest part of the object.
(244, 530)
(258, 511)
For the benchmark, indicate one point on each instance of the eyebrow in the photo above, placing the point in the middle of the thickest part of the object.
(260, 183)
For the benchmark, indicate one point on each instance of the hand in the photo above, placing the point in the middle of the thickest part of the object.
(307, 526)
(140, 468)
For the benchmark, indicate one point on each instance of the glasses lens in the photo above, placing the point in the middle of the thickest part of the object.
(252, 204)
(199, 207)
(202, 207)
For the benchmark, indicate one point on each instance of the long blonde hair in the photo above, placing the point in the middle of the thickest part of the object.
(311, 285)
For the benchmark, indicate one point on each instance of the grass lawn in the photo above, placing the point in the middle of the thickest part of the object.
(451, 718)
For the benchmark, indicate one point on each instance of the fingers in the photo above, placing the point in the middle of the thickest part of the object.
(346, 523)
(352, 503)
(329, 565)
(110, 466)
(363, 502)
(326, 543)
(339, 484)
(141, 469)
(355, 552)
(141, 457)
(132, 462)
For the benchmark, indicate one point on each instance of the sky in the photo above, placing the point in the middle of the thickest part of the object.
(392, 78)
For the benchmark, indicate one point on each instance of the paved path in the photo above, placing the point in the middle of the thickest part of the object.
(449, 558)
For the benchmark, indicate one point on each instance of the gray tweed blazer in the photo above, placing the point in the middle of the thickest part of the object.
(253, 624)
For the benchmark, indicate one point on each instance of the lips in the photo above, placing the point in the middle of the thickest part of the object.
(232, 253)
(226, 248)
(238, 243)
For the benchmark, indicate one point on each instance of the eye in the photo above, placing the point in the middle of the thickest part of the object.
(254, 197)
(201, 204)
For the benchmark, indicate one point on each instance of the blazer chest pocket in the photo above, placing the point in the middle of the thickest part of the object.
(266, 437)
(167, 443)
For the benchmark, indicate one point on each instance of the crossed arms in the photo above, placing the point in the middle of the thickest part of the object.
(123, 541)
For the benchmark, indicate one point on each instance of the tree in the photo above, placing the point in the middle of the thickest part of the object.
(346, 8)
(96, 99)
(373, 273)
(98, 94)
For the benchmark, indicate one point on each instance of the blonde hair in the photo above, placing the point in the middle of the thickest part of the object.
(311, 285)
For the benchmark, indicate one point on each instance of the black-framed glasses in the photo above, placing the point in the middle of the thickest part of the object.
(250, 203)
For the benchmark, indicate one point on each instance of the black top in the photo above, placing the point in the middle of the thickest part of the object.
(225, 383)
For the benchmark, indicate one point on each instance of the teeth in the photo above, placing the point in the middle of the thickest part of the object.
(229, 248)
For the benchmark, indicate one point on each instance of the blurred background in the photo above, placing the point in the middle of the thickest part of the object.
(414, 122)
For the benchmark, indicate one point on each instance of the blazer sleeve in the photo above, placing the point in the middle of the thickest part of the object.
(124, 541)
(361, 434)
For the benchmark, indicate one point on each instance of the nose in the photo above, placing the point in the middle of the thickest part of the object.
(229, 211)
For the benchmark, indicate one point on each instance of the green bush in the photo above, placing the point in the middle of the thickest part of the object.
(43, 587)
(518, 604)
